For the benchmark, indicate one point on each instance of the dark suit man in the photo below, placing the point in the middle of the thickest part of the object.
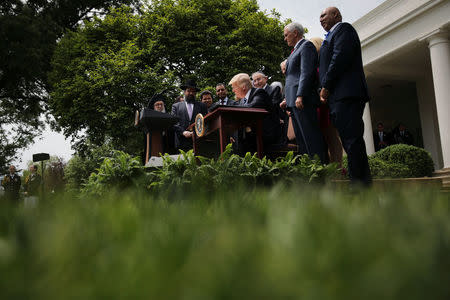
(402, 135)
(259, 80)
(343, 86)
(381, 138)
(255, 98)
(186, 111)
(222, 95)
(301, 91)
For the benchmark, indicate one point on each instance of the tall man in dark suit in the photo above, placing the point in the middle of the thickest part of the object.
(186, 111)
(344, 87)
(301, 94)
(255, 98)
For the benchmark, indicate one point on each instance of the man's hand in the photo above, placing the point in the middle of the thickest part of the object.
(324, 94)
(187, 134)
(283, 104)
(299, 102)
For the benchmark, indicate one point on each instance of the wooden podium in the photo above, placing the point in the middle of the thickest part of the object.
(227, 119)
(153, 124)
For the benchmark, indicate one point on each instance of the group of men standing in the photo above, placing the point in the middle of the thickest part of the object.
(12, 183)
(334, 77)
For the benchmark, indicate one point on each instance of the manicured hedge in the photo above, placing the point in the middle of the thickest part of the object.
(399, 161)
(417, 160)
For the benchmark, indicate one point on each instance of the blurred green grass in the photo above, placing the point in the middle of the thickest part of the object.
(298, 242)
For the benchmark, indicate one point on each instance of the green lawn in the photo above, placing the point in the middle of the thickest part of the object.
(305, 242)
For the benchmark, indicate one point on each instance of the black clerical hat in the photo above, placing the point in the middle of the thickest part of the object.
(155, 98)
(190, 83)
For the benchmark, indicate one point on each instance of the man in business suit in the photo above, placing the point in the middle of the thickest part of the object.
(301, 97)
(381, 138)
(255, 98)
(259, 80)
(222, 95)
(186, 112)
(344, 87)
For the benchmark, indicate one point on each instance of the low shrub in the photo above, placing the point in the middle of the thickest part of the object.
(399, 161)
(190, 172)
(230, 169)
(121, 171)
(418, 160)
(383, 169)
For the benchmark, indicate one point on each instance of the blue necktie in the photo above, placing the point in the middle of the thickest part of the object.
(244, 101)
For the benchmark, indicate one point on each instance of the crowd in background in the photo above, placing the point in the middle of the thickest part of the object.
(399, 135)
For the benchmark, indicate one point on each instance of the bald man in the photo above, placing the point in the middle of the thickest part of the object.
(343, 86)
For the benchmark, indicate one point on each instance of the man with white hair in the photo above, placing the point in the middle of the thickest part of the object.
(301, 97)
(256, 98)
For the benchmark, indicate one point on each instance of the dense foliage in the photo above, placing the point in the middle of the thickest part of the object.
(380, 168)
(287, 242)
(80, 167)
(29, 31)
(189, 172)
(120, 171)
(417, 160)
(399, 161)
(109, 67)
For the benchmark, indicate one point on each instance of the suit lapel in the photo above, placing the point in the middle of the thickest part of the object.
(293, 52)
(250, 97)
(184, 110)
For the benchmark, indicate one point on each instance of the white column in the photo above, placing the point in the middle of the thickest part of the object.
(428, 118)
(368, 132)
(439, 46)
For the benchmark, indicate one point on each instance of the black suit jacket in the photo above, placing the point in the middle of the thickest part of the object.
(340, 65)
(228, 102)
(259, 98)
(376, 140)
(274, 94)
(179, 109)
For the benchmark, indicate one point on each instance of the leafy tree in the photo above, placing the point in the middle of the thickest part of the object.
(213, 40)
(100, 79)
(29, 31)
(108, 68)
(80, 167)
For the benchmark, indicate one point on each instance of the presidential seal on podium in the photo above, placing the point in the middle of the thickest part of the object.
(200, 129)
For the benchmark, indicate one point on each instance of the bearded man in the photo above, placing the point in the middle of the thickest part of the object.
(186, 112)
